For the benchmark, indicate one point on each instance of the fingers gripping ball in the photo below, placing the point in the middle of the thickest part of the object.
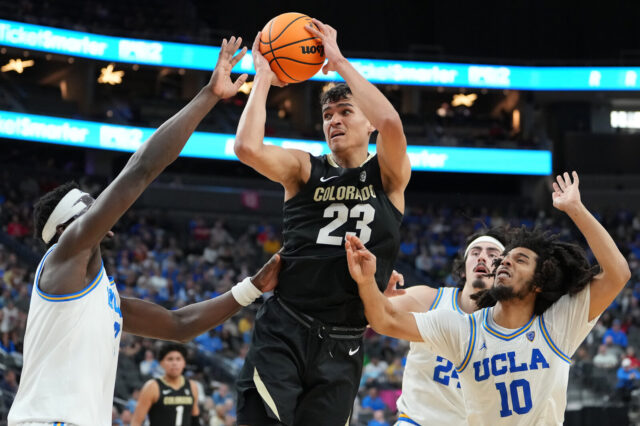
(293, 53)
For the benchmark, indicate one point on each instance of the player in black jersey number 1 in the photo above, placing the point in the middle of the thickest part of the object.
(305, 360)
(171, 400)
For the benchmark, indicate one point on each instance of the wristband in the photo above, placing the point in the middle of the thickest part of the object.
(245, 292)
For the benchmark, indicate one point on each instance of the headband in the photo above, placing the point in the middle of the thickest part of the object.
(67, 208)
(484, 239)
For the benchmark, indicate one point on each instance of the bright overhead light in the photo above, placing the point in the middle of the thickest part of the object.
(17, 65)
(109, 76)
(462, 99)
(246, 87)
(327, 87)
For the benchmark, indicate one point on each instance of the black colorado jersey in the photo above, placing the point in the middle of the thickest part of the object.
(173, 407)
(335, 201)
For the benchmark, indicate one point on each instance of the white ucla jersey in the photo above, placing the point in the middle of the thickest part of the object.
(70, 355)
(511, 377)
(430, 384)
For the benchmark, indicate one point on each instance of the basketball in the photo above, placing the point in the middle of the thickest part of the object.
(293, 53)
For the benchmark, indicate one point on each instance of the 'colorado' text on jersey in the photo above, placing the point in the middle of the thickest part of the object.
(511, 377)
(336, 201)
(174, 406)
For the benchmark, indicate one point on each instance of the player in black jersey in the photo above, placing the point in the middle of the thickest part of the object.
(171, 400)
(305, 360)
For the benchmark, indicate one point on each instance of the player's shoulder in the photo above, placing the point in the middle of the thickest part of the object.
(151, 389)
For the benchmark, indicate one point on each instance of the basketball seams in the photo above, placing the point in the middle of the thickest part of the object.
(295, 60)
(290, 50)
(271, 40)
(274, 55)
(291, 44)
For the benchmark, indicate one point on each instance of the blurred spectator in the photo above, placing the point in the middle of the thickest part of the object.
(373, 371)
(394, 372)
(372, 401)
(378, 419)
(627, 380)
(617, 335)
(222, 394)
(133, 401)
(605, 359)
(209, 341)
(125, 417)
(631, 356)
(150, 367)
(9, 317)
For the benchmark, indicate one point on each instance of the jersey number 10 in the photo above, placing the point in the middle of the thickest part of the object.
(341, 213)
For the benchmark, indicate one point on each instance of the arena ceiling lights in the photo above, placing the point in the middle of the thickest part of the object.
(441, 74)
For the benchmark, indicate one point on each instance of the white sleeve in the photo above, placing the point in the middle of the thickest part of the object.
(566, 322)
(445, 333)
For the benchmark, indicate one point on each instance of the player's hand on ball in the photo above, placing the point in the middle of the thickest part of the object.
(329, 37)
(362, 263)
(566, 194)
(267, 277)
(396, 279)
(221, 84)
(262, 65)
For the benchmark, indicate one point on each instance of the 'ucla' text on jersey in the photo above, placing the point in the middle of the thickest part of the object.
(511, 377)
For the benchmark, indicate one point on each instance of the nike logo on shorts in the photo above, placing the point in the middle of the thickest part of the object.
(353, 351)
(326, 179)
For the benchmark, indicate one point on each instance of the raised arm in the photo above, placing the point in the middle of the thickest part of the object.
(162, 148)
(383, 317)
(614, 268)
(150, 320)
(289, 167)
(391, 144)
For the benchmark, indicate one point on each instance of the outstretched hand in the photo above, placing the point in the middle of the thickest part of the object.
(566, 194)
(329, 37)
(267, 277)
(262, 65)
(396, 279)
(362, 263)
(221, 84)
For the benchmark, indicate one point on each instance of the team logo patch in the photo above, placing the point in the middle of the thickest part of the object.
(363, 176)
(531, 335)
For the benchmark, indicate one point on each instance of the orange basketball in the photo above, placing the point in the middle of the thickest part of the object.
(294, 54)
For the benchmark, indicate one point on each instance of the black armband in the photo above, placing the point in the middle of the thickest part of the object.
(195, 420)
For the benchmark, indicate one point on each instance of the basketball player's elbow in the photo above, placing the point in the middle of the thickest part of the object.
(140, 168)
(381, 321)
(389, 122)
(621, 273)
(245, 151)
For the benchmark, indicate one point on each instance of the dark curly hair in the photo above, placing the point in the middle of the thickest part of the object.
(561, 268)
(172, 347)
(44, 207)
(458, 267)
(336, 93)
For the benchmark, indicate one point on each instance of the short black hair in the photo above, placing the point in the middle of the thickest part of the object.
(172, 347)
(45, 206)
(561, 268)
(336, 93)
(458, 267)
